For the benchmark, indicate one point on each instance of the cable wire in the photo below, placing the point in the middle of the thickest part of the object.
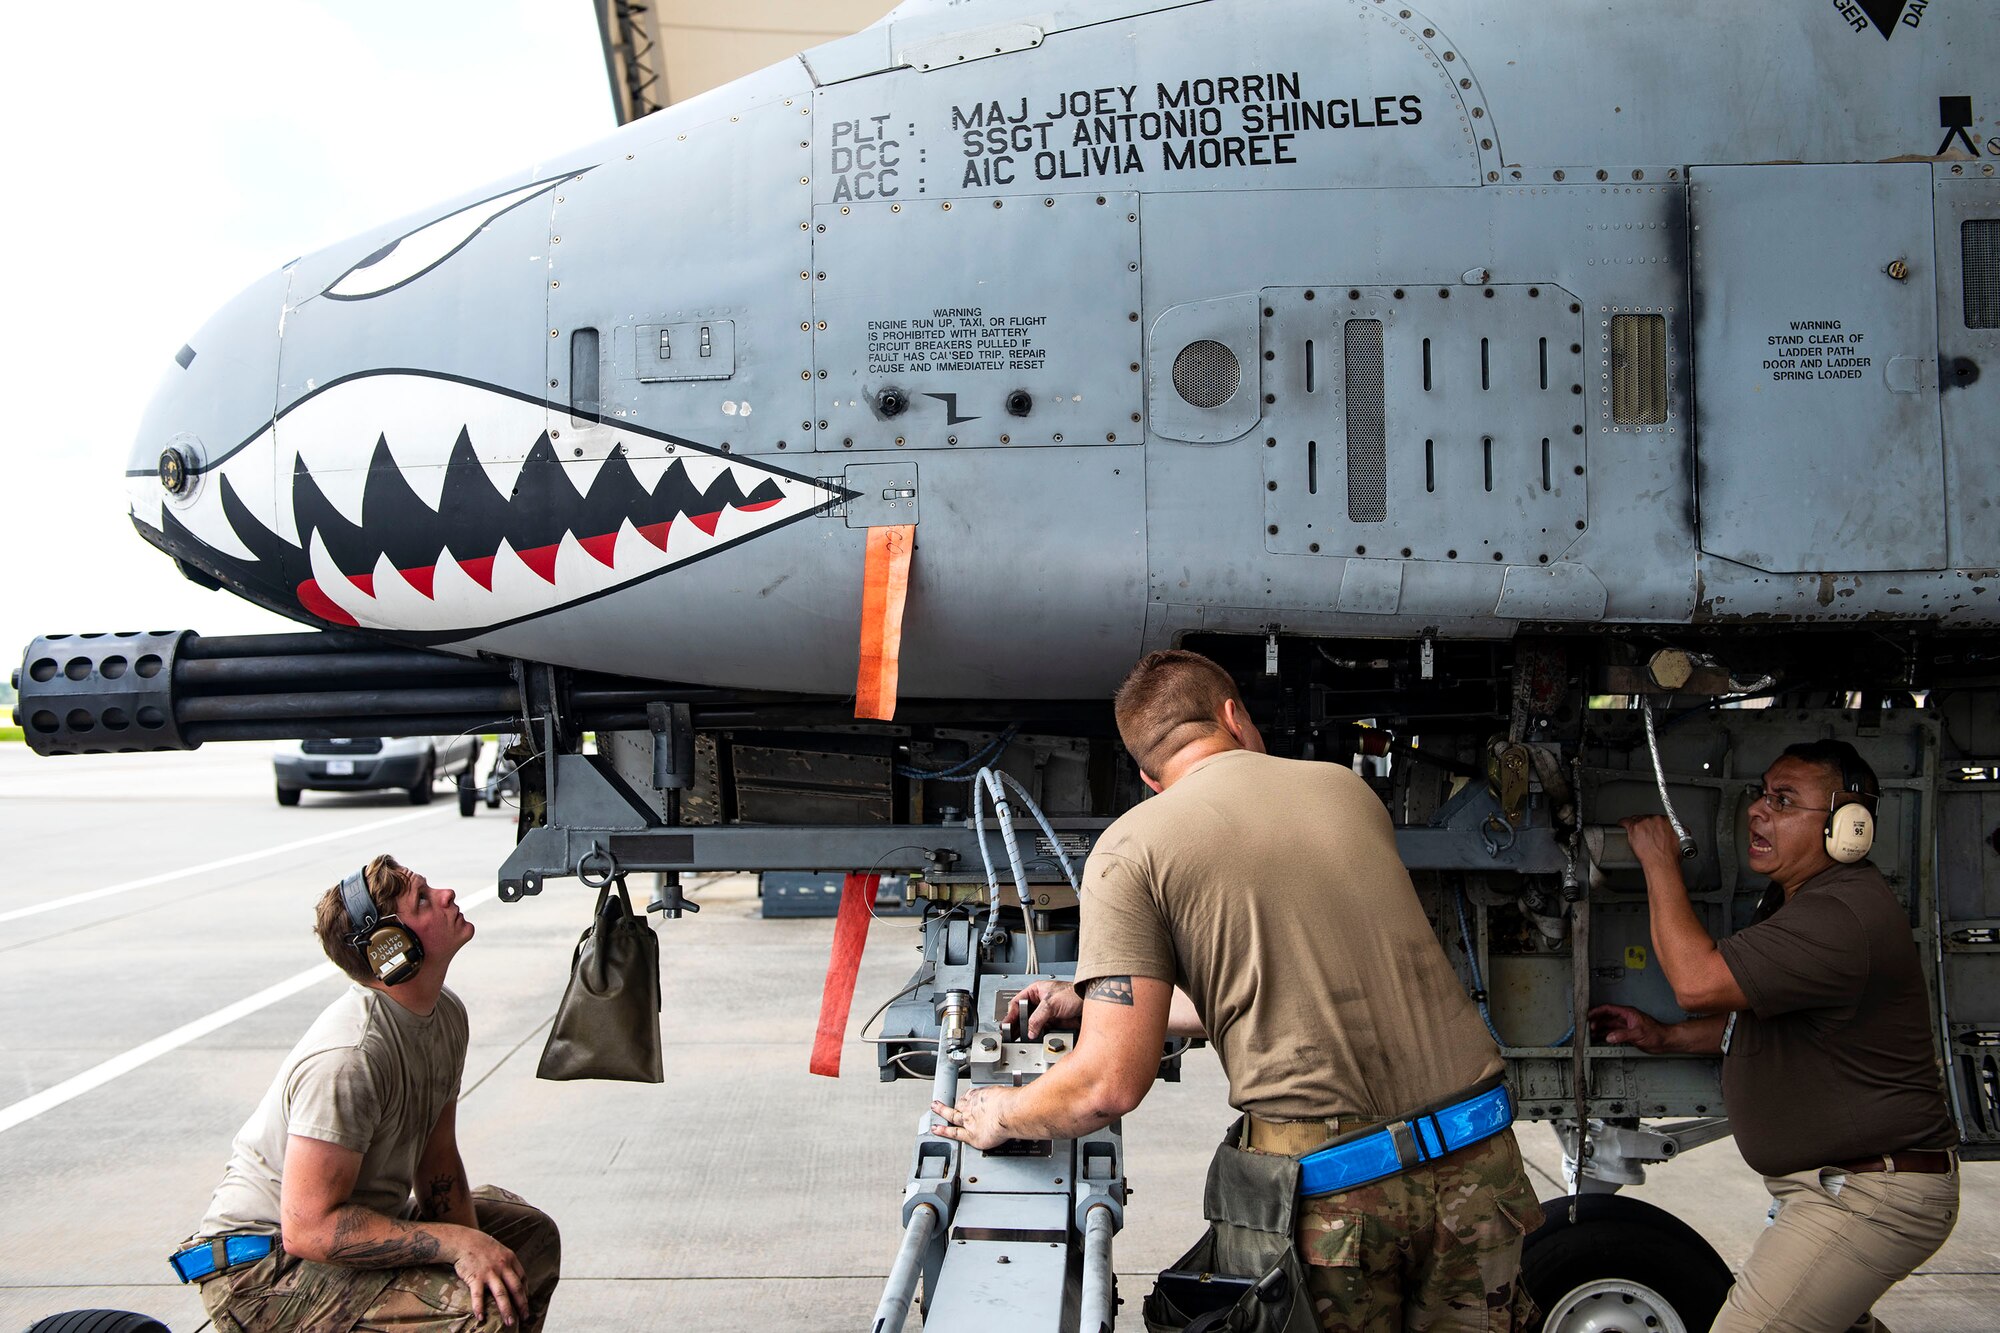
(987, 784)
(1660, 776)
(959, 772)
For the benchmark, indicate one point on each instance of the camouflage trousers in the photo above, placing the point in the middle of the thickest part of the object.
(1435, 1248)
(280, 1293)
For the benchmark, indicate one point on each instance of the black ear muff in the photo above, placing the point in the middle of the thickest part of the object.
(390, 949)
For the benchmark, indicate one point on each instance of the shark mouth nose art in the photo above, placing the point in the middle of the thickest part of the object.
(420, 503)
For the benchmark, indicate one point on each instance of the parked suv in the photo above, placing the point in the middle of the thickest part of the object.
(413, 763)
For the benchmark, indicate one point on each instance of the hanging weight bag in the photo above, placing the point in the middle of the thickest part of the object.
(608, 1025)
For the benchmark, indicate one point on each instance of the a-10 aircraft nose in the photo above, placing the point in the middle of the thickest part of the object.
(404, 467)
(215, 399)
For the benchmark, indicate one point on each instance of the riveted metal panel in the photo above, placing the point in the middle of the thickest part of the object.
(735, 190)
(1801, 343)
(1969, 380)
(996, 314)
(1457, 436)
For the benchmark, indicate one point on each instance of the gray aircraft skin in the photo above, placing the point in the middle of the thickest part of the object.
(1440, 373)
(1415, 248)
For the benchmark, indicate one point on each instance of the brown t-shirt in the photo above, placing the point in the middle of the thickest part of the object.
(1271, 892)
(1833, 1060)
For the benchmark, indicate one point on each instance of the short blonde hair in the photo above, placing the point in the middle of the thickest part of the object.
(1170, 700)
(385, 880)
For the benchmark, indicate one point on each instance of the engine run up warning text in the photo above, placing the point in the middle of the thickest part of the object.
(956, 338)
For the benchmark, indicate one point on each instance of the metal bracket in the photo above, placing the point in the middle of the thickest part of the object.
(1615, 1156)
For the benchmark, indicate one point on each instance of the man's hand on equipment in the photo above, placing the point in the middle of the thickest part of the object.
(1653, 840)
(1056, 1005)
(1622, 1025)
(489, 1268)
(976, 1118)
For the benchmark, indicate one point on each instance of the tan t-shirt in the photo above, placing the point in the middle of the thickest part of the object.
(368, 1075)
(1271, 892)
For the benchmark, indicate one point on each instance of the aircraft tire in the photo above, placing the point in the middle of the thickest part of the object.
(420, 792)
(288, 795)
(98, 1321)
(1625, 1257)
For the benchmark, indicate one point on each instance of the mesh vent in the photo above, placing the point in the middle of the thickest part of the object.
(1638, 370)
(1979, 253)
(1206, 374)
(1367, 462)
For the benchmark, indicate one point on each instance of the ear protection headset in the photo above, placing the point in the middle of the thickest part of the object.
(1850, 824)
(391, 950)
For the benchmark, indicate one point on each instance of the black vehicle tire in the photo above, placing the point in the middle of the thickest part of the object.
(288, 795)
(98, 1321)
(1622, 1260)
(468, 795)
(420, 793)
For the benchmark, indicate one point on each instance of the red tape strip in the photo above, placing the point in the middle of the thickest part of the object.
(843, 968)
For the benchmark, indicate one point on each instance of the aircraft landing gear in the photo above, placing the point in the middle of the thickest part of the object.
(1622, 1263)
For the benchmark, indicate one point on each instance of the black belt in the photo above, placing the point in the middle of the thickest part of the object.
(219, 1254)
(1918, 1161)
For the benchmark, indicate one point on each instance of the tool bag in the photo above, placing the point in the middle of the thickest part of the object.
(608, 1025)
(1251, 1204)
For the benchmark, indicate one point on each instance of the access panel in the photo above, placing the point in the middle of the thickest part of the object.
(1423, 422)
(970, 323)
(1816, 346)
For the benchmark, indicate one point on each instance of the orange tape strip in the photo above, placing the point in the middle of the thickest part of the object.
(843, 968)
(885, 587)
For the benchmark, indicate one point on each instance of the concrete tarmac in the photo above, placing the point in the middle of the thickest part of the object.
(148, 901)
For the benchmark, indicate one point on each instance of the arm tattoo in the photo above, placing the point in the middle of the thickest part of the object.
(1111, 990)
(409, 1249)
(437, 1202)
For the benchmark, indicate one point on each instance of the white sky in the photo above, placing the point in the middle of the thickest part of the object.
(164, 155)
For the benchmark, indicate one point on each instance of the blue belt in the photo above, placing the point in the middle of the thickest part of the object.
(220, 1254)
(1402, 1144)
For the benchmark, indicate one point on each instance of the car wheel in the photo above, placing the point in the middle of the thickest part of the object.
(287, 795)
(1622, 1263)
(98, 1321)
(468, 795)
(420, 794)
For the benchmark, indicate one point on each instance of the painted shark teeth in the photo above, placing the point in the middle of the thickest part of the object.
(416, 253)
(421, 503)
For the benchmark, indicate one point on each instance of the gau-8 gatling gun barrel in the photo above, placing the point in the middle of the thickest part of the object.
(129, 692)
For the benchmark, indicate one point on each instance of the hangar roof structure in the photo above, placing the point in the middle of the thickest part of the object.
(658, 52)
